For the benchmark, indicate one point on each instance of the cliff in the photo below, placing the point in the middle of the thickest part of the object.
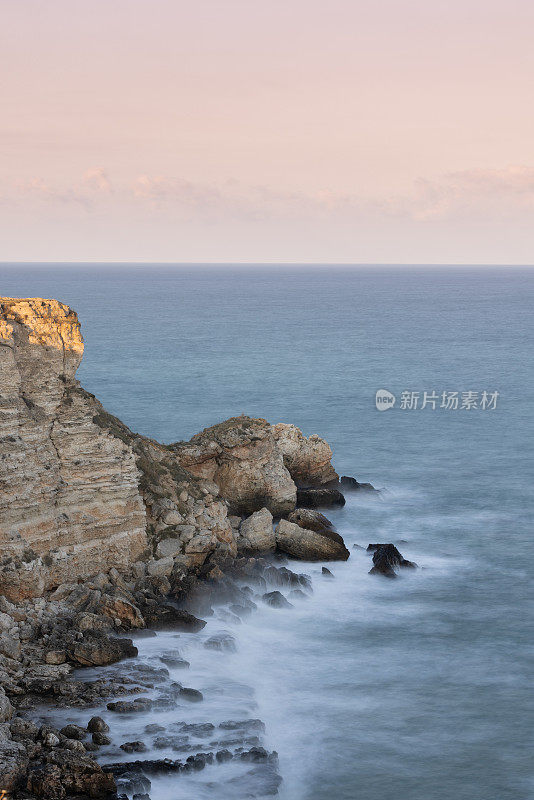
(80, 493)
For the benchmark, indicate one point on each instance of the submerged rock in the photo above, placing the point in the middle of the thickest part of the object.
(276, 600)
(310, 545)
(385, 558)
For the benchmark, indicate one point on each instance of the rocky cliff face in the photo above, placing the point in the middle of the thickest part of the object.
(69, 499)
(80, 493)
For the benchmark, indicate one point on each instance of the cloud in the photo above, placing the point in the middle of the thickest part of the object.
(96, 180)
(460, 195)
(475, 191)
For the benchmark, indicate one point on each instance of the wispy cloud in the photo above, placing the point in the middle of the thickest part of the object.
(467, 193)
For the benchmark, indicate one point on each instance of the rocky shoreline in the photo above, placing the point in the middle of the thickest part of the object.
(106, 533)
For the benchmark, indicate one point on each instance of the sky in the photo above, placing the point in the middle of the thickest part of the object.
(346, 131)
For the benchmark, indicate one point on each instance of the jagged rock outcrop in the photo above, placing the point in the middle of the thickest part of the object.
(243, 458)
(308, 459)
(256, 534)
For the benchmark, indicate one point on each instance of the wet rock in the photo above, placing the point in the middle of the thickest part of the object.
(310, 545)
(166, 615)
(192, 695)
(74, 732)
(386, 558)
(50, 739)
(311, 520)
(298, 594)
(100, 738)
(174, 661)
(351, 484)
(154, 728)
(258, 755)
(199, 729)
(221, 641)
(137, 706)
(326, 572)
(281, 576)
(223, 755)
(244, 725)
(97, 725)
(319, 498)
(134, 747)
(276, 600)
(97, 649)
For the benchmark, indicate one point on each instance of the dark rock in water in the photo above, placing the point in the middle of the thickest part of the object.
(311, 520)
(200, 729)
(221, 641)
(74, 732)
(358, 547)
(298, 594)
(258, 755)
(385, 558)
(245, 725)
(243, 610)
(133, 769)
(97, 725)
(326, 572)
(131, 781)
(100, 738)
(174, 661)
(282, 576)
(143, 796)
(174, 742)
(96, 649)
(165, 614)
(351, 484)
(319, 498)
(223, 755)
(134, 747)
(138, 706)
(276, 600)
(193, 695)
(154, 728)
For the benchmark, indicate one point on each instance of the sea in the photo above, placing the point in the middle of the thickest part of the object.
(419, 688)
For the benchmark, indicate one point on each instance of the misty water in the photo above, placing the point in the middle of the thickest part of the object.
(418, 688)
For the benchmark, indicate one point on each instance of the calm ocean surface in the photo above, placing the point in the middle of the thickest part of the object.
(415, 689)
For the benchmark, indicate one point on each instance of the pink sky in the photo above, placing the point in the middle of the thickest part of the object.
(302, 130)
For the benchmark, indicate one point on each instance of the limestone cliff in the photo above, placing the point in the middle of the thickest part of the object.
(69, 499)
(80, 493)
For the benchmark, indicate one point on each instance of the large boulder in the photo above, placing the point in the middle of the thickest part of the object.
(241, 455)
(256, 534)
(309, 545)
(311, 520)
(308, 459)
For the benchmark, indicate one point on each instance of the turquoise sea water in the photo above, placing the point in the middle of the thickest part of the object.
(419, 689)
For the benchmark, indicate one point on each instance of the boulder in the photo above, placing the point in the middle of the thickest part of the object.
(319, 498)
(385, 558)
(256, 534)
(311, 520)
(96, 650)
(309, 545)
(308, 459)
